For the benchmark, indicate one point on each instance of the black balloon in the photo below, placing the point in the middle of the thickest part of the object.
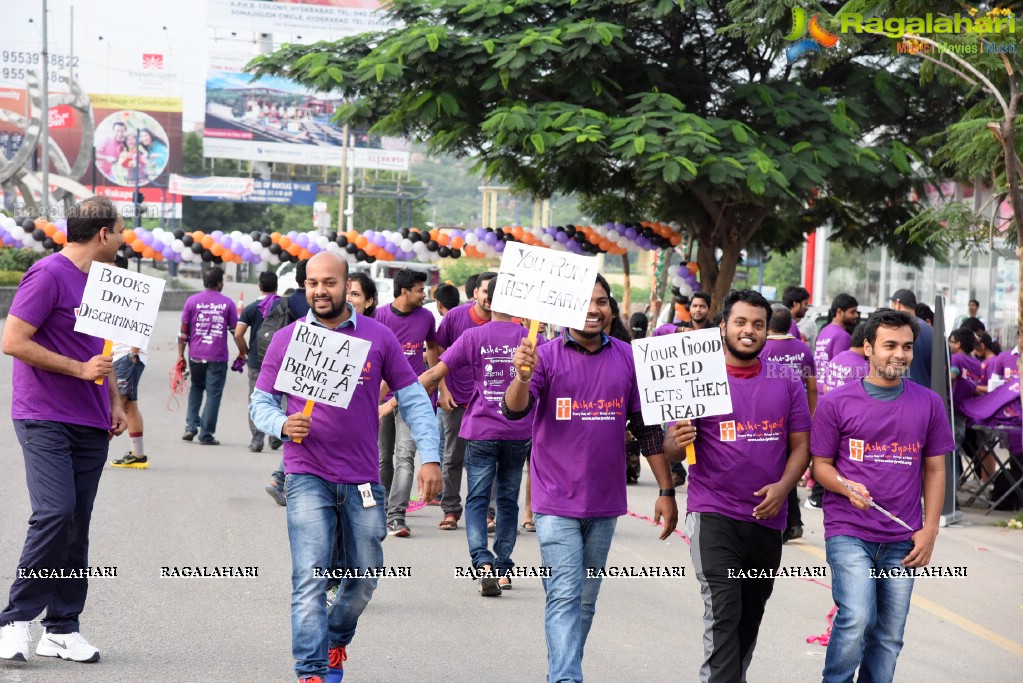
(371, 259)
(415, 236)
(342, 240)
(187, 240)
(265, 240)
(275, 248)
(579, 237)
(570, 230)
(432, 245)
(48, 243)
(444, 252)
(207, 255)
(38, 235)
(179, 234)
(217, 259)
(332, 236)
(455, 253)
(196, 248)
(28, 224)
(361, 255)
(404, 232)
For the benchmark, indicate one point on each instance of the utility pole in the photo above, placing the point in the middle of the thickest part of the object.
(343, 179)
(44, 194)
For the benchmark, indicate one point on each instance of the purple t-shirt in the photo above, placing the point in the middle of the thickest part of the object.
(832, 341)
(413, 330)
(1003, 365)
(47, 297)
(457, 321)
(740, 453)
(790, 352)
(880, 444)
(794, 331)
(668, 328)
(211, 318)
(341, 446)
(579, 421)
(487, 351)
(968, 368)
(846, 367)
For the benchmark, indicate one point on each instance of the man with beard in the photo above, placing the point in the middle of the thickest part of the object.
(797, 300)
(576, 467)
(336, 516)
(699, 317)
(746, 463)
(415, 329)
(879, 440)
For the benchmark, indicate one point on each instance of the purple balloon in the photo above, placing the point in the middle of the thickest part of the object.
(631, 233)
(490, 238)
(561, 237)
(226, 242)
(217, 234)
(390, 247)
(499, 247)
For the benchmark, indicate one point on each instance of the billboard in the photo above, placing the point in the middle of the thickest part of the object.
(301, 19)
(277, 120)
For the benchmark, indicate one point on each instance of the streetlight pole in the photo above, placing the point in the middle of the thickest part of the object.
(44, 194)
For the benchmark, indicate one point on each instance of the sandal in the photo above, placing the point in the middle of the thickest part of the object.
(449, 523)
(529, 526)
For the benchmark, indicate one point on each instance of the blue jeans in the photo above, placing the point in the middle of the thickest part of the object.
(397, 464)
(210, 378)
(324, 517)
(871, 611)
(569, 546)
(486, 461)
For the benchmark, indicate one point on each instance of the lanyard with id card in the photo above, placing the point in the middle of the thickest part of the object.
(366, 491)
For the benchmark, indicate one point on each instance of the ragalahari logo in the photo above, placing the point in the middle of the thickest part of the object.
(819, 37)
(152, 62)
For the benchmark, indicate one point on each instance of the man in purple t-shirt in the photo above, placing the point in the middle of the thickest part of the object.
(746, 463)
(413, 325)
(878, 441)
(834, 337)
(496, 448)
(63, 421)
(207, 322)
(847, 366)
(582, 391)
(336, 516)
(455, 390)
(788, 351)
(797, 300)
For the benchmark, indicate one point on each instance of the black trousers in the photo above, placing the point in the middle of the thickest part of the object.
(63, 464)
(723, 551)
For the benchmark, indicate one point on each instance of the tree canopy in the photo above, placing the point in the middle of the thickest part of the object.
(650, 109)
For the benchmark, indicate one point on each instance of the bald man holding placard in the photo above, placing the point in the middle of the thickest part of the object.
(330, 365)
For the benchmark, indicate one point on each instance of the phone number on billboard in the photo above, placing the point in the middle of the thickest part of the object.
(14, 73)
(16, 57)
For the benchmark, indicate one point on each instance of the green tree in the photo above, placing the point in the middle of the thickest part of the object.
(646, 109)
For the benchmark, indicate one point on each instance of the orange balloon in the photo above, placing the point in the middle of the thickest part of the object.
(275, 237)
(284, 242)
(148, 252)
(59, 237)
(352, 235)
(294, 249)
(198, 235)
(443, 239)
(217, 249)
(158, 256)
(361, 242)
(305, 254)
(129, 236)
(370, 249)
(207, 242)
(49, 229)
(457, 243)
(138, 245)
(692, 267)
(676, 239)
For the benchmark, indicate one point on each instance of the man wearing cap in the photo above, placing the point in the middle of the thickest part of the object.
(920, 369)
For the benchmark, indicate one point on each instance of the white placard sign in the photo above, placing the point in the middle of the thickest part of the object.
(322, 365)
(119, 305)
(543, 284)
(682, 376)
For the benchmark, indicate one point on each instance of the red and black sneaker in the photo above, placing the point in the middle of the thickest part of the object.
(311, 679)
(336, 657)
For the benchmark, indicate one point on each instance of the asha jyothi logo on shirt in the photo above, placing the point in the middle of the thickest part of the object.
(564, 406)
(727, 430)
(856, 450)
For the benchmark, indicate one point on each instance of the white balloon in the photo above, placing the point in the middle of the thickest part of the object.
(677, 281)
(17, 232)
(685, 290)
(471, 239)
(547, 239)
(407, 245)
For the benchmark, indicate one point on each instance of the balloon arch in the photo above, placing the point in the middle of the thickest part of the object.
(406, 244)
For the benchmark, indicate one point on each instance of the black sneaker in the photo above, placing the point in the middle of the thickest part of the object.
(188, 436)
(397, 527)
(131, 461)
(209, 442)
(489, 585)
(256, 446)
(792, 533)
(275, 443)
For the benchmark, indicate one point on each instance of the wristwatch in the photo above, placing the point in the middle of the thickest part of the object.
(667, 492)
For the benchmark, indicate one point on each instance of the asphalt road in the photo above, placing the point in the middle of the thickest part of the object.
(205, 506)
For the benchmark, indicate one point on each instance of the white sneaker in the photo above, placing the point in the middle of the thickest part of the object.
(71, 646)
(14, 641)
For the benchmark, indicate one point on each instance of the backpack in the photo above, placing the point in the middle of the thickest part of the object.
(280, 316)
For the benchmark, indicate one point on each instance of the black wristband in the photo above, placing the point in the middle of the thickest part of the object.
(667, 492)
